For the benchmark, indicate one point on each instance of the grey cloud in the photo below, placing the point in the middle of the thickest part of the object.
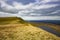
(3, 14)
(47, 12)
(3, 9)
(6, 8)
(41, 12)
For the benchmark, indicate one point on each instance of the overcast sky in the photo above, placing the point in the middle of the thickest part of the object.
(31, 8)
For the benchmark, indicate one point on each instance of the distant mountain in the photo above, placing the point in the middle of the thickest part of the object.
(47, 21)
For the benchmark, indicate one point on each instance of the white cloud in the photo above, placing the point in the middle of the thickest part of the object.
(29, 9)
(3, 14)
(50, 0)
(45, 6)
(24, 8)
(41, 17)
(19, 5)
(7, 8)
(3, 0)
(46, 1)
(56, 12)
(30, 6)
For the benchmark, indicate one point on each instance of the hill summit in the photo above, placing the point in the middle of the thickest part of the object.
(14, 28)
(11, 20)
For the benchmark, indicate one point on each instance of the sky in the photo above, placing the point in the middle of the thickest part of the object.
(29, 9)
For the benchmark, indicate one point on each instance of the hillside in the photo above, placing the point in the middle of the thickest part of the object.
(13, 28)
(53, 26)
(10, 20)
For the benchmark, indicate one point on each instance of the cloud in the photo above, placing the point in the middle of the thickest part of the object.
(46, 1)
(3, 0)
(57, 12)
(51, 0)
(45, 6)
(41, 18)
(21, 6)
(32, 8)
(38, 8)
(17, 7)
(4, 14)
(7, 8)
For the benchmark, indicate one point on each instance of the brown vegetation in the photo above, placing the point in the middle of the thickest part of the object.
(21, 30)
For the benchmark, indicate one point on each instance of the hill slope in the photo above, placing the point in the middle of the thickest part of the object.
(53, 26)
(10, 20)
(14, 28)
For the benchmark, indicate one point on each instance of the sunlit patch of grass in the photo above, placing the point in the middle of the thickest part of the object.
(23, 32)
(17, 30)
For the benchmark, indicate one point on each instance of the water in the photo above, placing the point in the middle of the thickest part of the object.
(48, 28)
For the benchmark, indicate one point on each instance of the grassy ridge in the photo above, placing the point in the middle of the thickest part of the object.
(23, 32)
(18, 29)
(53, 26)
(10, 20)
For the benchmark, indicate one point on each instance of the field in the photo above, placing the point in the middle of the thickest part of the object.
(13, 28)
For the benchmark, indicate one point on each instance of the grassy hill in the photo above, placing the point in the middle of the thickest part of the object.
(53, 26)
(13, 28)
(10, 20)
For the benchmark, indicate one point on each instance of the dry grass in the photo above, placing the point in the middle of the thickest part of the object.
(22, 31)
(53, 26)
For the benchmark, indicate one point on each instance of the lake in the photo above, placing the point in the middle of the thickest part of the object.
(48, 28)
